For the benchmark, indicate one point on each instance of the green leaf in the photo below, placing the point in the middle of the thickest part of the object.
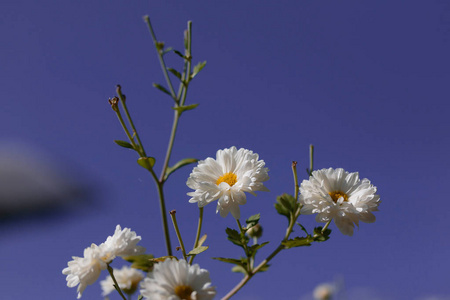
(298, 242)
(161, 88)
(282, 210)
(265, 268)
(303, 228)
(174, 72)
(142, 262)
(181, 163)
(140, 297)
(124, 144)
(146, 162)
(198, 68)
(230, 260)
(167, 50)
(198, 250)
(181, 109)
(239, 269)
(253, 220)
(202, 240)
(236, 238)
(253, 249)
(179, 54)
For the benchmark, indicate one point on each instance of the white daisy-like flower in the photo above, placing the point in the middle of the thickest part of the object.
(84, 271)
(127, 278)
(226, 178)
(339, 195)
(122, 243)
(177, 280)
(323, 291)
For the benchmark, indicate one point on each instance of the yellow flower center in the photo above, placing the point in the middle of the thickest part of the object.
(184, 292)
(229, 178)
(338, 194)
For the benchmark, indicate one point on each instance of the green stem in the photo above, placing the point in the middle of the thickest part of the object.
(162, 205)
(177, 230)
(124, 126)
(199, 229)
(125, 109)
(116, 285)
(311, 159)
(294, 171)
(326, 226)
(176, 117)
(161, 59)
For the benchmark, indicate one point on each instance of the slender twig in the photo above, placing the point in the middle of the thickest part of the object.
(116, 285)
(199, 230)
(176, 117)
(161, 59)
(294, 171)
(311, 159)
(326, 226)
(177, 230)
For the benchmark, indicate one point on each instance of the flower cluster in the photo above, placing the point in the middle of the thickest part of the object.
(172, 280)
(339, 195)
(84, 271)
(226, 178)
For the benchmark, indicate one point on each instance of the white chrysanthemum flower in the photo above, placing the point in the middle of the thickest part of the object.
(339, 195)
(226, 178)
(177, 280)
(127, 278)
(84, 270)
(323, 291)
(122, 243)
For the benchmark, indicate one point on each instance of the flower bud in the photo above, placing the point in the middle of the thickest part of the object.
(255, 231)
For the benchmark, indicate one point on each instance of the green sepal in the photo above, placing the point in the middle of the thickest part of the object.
(124, 144)
(253, 220)
(286, 205)
(320, 236)
(198, 250)
(298, 242)
(142, 262)
(146, 162)
(162, 89)
(178, 165)
(198, 68)
(174, 72)
(184, 108)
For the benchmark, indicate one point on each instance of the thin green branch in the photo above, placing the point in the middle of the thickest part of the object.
(161, 59)
(116, 285)
(199, 230)
(177, 230)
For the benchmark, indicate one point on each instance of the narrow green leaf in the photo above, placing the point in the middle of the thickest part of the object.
(253, 220)
(236, 238)
(142, 262)
(198, 68)
(174, 72)
(298, 242)
(179, 164)
(265, 268)
(146, 162)
(198, 250)
(303, 228)
(202, 240)
(185, 108)
(167, 50)
(124, 144)
(179, 54)
(161, 88)
(229, 260)
(239, 269)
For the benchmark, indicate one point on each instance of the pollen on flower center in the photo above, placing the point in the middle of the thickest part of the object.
(338, 194)
(229, 178)
(184, 292)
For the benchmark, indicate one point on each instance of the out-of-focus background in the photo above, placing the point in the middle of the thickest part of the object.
(366, 82)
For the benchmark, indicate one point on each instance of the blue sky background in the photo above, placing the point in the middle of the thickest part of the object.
(366, 82)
